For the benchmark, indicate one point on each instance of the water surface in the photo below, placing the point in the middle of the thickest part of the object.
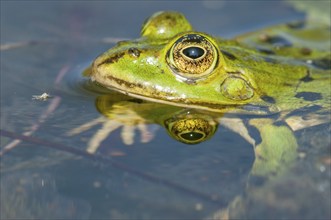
(48, 44)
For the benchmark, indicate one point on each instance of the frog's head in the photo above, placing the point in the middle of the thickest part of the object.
(171, 63)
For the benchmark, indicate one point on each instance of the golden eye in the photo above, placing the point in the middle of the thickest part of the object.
(192, 56)
(191, 129)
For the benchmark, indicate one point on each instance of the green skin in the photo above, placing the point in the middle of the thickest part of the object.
(276, 70)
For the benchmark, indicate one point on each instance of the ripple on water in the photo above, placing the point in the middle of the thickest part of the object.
(76, 83)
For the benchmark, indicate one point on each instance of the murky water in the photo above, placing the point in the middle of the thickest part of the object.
(49, 175)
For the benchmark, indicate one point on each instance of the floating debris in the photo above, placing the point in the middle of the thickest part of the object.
(42, 97)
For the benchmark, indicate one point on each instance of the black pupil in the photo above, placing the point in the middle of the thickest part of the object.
(192, 136)
(193, 52)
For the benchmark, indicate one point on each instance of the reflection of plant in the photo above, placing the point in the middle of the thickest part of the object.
(154, 179)
(27, 107)
(40, 118)
(15, 118)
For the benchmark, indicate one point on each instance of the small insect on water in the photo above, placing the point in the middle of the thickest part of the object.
(42, 97)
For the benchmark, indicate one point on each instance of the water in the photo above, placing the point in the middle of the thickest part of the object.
(50, 43)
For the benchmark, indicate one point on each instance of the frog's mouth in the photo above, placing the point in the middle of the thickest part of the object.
(123, 87)
(137, 90)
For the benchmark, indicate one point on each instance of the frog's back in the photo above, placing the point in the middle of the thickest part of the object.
(303, 44)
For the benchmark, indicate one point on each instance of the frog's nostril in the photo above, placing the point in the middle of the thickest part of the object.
(134, 52)
(277, 41)
(296, 25)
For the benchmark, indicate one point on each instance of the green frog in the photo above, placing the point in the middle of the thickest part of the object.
(266, 72)
(187, 80)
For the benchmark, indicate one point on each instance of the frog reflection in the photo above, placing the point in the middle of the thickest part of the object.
(185, 125)
(274, 147)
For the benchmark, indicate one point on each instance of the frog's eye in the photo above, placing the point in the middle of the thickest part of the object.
(192, 56)
(190, 130)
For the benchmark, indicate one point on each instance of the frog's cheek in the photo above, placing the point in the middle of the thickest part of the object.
(191, 130)
(236, 88)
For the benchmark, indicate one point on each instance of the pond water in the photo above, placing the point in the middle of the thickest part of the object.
(47, 174)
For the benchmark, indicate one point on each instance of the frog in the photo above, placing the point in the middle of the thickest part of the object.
(170, 63)
(273, 76)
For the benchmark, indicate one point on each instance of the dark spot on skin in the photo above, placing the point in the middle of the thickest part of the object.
(134, 52)
(287, 84)
(305, 51)
(229, 55)
(280, 123)
(255, 108)
(253, 132)
(309, 96)
(296, 25)
(268, 99)
(235, 72)
(270, 60)
(261, 158)
(265, 50)
(139, 101)
(305, 110)
(257, 181)
(323, 63)
(172, 21)
(137, 85)
(123, 82)
(307, 78)
(122, 42)
(112, 59)
(276, 41)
